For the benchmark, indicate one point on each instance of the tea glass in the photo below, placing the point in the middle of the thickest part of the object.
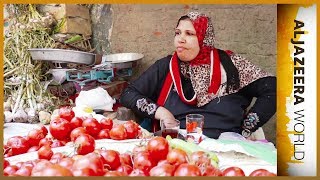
(170, 128)
(194, 127)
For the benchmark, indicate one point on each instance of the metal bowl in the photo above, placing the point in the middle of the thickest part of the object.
(62, 56)
(122, 57)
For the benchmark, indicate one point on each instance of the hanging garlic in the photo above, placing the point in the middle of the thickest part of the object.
(8, 117)
(32, 116)
(7, 105)
(20, 116)
(40, 106)
(44, 117)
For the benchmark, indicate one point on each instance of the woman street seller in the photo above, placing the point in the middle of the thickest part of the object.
(202, 79)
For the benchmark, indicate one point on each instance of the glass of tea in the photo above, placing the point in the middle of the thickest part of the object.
(171, 128)
(194, 126)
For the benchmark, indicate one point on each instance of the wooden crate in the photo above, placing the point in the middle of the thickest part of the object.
(77, 17)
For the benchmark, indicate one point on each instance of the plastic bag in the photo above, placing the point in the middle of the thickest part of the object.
(97, 99)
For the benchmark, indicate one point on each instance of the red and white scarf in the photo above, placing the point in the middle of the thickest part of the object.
(205, 71)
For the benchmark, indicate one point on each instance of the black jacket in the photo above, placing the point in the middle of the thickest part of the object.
(221, 114)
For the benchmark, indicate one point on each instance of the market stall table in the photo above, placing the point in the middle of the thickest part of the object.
(229, 154)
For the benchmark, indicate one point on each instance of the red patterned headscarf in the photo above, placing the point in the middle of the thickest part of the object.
(200, 65)
(205, 34)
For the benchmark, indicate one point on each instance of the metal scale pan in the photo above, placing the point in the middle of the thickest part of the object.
(61, 57)
(122, 63)
(65, 56)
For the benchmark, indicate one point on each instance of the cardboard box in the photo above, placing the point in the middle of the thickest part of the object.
(77, 17)
(76, 26)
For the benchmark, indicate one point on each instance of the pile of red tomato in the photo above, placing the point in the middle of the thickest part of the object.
(156, 158)
(66, 128)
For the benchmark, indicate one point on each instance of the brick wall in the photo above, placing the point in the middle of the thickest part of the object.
(149, 29)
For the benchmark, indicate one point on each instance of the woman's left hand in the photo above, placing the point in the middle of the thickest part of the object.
(257, 135)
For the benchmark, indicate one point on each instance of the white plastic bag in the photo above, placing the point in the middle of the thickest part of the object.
(97, 99)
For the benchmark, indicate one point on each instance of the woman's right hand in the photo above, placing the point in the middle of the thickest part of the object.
(165, 115)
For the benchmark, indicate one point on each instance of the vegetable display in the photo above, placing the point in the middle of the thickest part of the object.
(156, 156)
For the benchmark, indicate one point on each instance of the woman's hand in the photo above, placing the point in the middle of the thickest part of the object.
(165, 115)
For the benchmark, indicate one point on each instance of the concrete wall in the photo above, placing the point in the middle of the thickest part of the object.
(149, 29)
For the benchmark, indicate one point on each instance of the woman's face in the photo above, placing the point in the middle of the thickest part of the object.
(186, 41)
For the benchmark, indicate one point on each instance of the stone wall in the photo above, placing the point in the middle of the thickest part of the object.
(249, 30)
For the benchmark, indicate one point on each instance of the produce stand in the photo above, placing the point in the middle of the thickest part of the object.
(229, 154)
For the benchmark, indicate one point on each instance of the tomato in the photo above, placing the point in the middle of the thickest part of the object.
(5, 163)
(92, 161)
(211, 171)
(162, 170)
(76, 156)
(76, 132)
(40, 165)
(262, 172)
(126, 169)
(18, 145)
(158, 147)
(118, 133)
(54, 170)
(76, 122)
(138, 172)
(8, 153)
(132, 129)
(103, 134)
(111, 159)
(106, 123)
(5, 149)
(186, 169)
(66, 113)
(23, 171)
(161, 162)
(33, 149)
(66, 162)
(19, 164)
(45, 152)
(44, 129)
(114, 173)
(137, 149)
(84, 144)
(57, 143)
(10, 170)
(92, 126)
(140, 134)
(233, 171)
(30, 164)
(45, 141)
(200, 158)
(60, 128)
(34, 136)
(177, 157)
(144, 162)
(57, 157)
(83, 172)
(125, 159)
